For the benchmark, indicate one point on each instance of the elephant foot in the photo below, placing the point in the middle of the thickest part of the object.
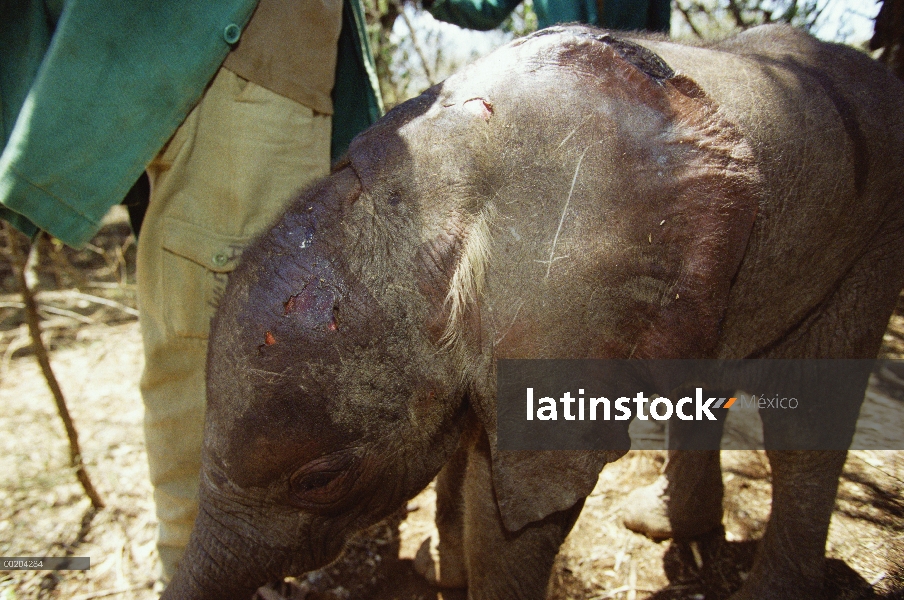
(439, 568)
(647, 511)
(684, 502)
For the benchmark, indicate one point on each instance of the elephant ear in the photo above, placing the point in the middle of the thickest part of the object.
(707, 212)
(532, 485)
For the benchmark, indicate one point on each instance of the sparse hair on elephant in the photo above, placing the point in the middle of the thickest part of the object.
(576, 194)
(468, 277)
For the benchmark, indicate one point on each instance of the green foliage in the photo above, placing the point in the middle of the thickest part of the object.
(522, 21)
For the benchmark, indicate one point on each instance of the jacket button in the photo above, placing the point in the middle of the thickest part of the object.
(232, 33)
(220, 259)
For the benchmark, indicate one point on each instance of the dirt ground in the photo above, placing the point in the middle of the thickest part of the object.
(96, 352)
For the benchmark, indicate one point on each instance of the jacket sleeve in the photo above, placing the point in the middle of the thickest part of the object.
(472, 14)
(356, 93)
(114, 83)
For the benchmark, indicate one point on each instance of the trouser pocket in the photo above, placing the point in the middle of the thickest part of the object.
(196, 264)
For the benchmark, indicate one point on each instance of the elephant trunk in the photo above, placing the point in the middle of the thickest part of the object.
(217, 565)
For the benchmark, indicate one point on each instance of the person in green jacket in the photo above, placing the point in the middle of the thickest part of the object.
(230, 107)
(650, 15)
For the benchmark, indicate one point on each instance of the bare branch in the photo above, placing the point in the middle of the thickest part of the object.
(416, 44)
(735, 12)
(23, 266)
(687, 17)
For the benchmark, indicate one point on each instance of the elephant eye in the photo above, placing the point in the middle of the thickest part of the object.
(322, 481)
(314, 481)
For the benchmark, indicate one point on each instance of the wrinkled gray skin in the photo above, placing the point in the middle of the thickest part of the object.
(582, 199)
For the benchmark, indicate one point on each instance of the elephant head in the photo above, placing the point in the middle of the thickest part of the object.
(569, 196)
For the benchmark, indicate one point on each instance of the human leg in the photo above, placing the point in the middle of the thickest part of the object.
(228, 172)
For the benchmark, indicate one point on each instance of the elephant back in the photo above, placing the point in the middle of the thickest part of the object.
(826, 126)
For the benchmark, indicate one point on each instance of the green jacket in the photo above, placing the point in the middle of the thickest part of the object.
(90, 90)
(652, 15)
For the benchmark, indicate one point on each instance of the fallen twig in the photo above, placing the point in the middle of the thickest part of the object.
(106, 302)
(17, 343)
(632, 581)
(110, 285)
(63, 295)
(62, 312)
(627, 588)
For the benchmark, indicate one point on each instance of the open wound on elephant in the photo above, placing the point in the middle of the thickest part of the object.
(269, 340)
(315, 304)
(479, 107)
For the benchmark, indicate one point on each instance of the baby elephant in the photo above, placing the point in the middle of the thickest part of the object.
(575, 194)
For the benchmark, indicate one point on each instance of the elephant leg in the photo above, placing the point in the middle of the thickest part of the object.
(443, 564)
(790, 561)
(686, 500)
(505, 565)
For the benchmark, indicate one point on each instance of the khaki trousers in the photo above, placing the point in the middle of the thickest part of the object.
(229, 171)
